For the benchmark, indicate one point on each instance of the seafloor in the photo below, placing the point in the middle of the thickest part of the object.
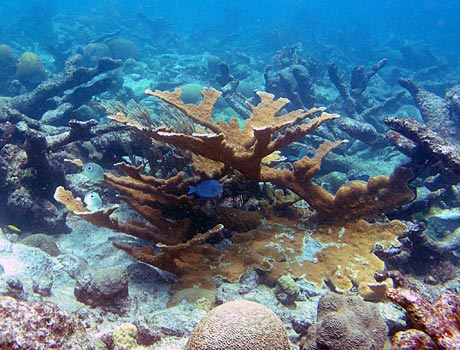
(344, 221)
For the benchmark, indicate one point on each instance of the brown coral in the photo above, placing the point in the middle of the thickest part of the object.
(239, 325)
(266, 132)
(145, 194)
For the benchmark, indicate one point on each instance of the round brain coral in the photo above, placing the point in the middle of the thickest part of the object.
(30, 70)
(239, 325)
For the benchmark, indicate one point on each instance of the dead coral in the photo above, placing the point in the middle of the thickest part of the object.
(431, 146)
(264, 133)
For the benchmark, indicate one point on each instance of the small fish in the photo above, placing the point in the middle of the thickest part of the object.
(93, 201)
(206, 189)
(14, 228)
(93, 172)
(302, 153)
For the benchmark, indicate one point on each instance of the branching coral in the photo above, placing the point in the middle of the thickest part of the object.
(266, 132)
(145, 194)
(345, 259)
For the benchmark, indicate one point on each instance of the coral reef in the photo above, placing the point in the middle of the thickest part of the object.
(346, 322)
(338, 255)
(265, 133)
(238, 325)
(49, 96)
(344, 259)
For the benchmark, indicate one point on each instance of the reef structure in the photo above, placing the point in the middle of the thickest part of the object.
(183, 249)
(265, 132)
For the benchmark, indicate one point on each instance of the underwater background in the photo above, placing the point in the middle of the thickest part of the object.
(175, 173)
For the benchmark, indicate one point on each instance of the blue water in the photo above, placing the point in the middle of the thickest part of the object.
(257, 25)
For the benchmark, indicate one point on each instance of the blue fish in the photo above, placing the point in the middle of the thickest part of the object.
(93, 172)
(206, 189)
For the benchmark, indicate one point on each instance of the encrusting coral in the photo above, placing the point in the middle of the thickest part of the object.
(266, 132)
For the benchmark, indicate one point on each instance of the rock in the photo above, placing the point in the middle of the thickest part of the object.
(42, 286)
(105, 287)
(43, 242)
(14, 288)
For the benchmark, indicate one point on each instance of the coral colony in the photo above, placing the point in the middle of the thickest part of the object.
(181, 187)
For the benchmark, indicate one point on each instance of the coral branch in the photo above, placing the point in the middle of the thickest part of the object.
(431, 144)
(176, 258)
(266, 132)
(142, 197)
(439, 320)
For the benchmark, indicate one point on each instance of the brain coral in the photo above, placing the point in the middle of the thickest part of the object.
(346, 322)
(239, 325)
(123, 49)
(30, 70)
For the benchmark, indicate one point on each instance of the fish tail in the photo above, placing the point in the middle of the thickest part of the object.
(191, 189)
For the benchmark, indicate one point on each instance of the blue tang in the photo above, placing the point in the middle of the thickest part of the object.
(93, 172)
(206, 189)
(93, 201)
